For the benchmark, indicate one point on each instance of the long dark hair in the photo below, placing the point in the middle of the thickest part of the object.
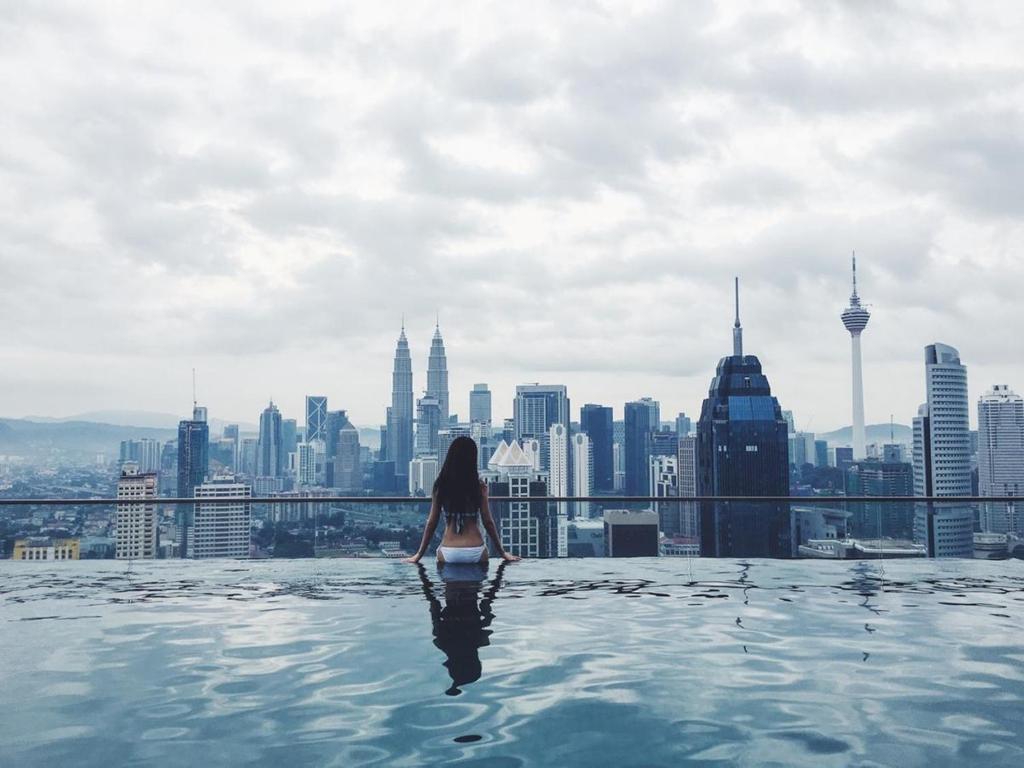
(457, 487)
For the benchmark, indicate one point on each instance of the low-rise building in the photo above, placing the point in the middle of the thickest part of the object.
(45, 549)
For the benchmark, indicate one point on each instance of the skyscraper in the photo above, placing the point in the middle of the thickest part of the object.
(855, 319)
(193, 466)
(335, 422)
(446, 437)
(231, 433)
(428, 422)
(305, 469)
(642, 418)
(289, 438)
(596, 423)
(1001, 458)
(942, 440)
(582, 472)
(942, 456)
(664, 478)
(527, 528)
(270, 456)
(821, 453)
(480, 404)
(348, 468)
(136, 521)
(535, 409)
(437, 374)
(248, 452)
(193, 452)
(144, 452)
(742, 450)
(687, 466)
(682, 518)
(422, 474)
(222, 529)
(684, 425)
(875, 477)
(316, 418)
(400, 417)
(561, 469)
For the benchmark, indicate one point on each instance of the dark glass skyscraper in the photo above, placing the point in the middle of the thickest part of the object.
(193, 466)
(400, 415)
(270, 451)
(193, 452)
(743, 450)
(641, 421)
(596, 421)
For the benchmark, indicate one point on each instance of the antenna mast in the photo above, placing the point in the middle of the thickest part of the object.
(737, 329)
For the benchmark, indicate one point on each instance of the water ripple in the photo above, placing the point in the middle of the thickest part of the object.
(646, 662)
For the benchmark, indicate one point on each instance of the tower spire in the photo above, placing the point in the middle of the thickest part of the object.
(855, 319)
(854, 298)
(737, 329)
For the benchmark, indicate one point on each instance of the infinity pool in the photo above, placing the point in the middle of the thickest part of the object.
(551, 663)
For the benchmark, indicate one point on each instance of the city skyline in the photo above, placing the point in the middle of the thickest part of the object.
(420, 375)
(270, 231)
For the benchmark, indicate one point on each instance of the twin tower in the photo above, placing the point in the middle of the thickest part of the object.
(399, 440)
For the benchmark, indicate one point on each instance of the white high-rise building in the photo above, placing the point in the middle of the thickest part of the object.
(136, 521)
(309, 455)
(582, 473)
(558, 484)
(855, 319)
(524, 526)
(1001, 457)
(687, 466)
(221, 529)
(619, 467)
(942, 456)
(422, 474)
(942, 451)
(305, 464)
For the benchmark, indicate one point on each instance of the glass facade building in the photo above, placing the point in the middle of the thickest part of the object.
(596, 422)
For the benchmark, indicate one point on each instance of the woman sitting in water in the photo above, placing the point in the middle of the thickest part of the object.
(459, 491)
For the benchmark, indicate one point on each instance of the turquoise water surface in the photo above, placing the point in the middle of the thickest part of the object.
(555, 663)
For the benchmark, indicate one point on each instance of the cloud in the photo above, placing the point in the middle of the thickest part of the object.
(265, 191)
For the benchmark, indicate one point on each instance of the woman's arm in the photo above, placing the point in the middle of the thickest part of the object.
(490, 527)
(428, 531)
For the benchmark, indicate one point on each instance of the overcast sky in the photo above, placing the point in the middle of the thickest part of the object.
(262, 195)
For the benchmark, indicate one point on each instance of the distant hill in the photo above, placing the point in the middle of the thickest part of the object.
(80, 440)
(876, 433)
(151, 419)
(73, 440)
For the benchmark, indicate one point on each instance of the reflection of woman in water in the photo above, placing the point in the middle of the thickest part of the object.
(461, 624)
(459, 491)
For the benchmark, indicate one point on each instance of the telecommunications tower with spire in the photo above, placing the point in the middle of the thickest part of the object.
(855, 319)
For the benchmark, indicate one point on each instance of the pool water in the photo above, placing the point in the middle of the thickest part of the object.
(654, 662)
